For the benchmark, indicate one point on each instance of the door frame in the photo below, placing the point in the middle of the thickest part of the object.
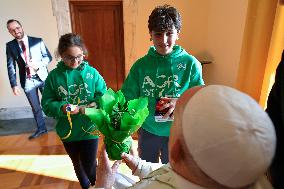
(61, 11)
(115, 74)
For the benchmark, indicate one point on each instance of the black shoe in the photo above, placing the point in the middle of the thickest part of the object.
(38, 133)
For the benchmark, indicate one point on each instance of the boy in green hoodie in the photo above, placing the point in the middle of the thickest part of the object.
(71, 85)
(162, 75)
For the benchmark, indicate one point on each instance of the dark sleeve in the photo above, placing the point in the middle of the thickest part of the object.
(11, 66)
(275, 103)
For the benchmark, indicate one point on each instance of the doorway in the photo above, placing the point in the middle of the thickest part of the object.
(100, 23)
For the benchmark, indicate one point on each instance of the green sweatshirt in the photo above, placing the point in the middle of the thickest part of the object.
(155, 76)
(65, 85)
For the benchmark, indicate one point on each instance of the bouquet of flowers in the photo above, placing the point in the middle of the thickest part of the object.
(117, 119)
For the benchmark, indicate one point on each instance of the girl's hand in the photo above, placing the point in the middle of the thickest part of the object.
(91, 105)
(82, 110)
(73, 109)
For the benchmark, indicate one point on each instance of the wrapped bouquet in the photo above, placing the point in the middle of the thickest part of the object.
(117, 119)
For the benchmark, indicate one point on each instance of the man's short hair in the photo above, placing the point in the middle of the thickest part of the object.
(13, 20)
(164, 18)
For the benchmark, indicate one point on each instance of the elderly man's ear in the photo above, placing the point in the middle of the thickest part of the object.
(177, 153)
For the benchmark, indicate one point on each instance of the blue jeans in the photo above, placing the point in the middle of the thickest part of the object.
(83, 155)
(32, 86)
(150, 147)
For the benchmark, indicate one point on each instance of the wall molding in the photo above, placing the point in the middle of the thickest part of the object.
(16, 113)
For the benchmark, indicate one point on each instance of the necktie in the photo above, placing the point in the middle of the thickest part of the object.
(24, 49)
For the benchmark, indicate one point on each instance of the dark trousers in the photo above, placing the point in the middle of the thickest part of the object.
(83, 155)
(32, 87)
(150, 147)
(277, 167)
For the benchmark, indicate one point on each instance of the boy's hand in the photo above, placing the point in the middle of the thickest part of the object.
(170, 104)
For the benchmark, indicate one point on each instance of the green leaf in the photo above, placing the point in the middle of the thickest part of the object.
(121, 98)
(98, 116)
(117, 119)
(114, 149)
(108, 100)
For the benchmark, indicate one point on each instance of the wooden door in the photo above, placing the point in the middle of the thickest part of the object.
(100, 23)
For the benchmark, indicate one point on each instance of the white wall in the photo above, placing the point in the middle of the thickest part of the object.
(226, 24)
(37, 19)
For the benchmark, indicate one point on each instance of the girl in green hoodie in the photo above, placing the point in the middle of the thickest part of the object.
(162, 75)
(71, 85)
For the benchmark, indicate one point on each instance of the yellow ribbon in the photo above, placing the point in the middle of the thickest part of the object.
(95, 132)
(116, 141)
(70, 122)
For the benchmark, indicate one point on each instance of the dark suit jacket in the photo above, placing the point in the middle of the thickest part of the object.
(38, 52)
(275, 107)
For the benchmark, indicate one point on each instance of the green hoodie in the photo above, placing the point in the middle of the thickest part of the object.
(155, 76)
(65, 85)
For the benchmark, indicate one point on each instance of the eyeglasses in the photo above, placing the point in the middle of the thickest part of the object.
(78, 58)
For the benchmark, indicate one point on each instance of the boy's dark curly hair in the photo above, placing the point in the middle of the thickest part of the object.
(163, 18)
(69, 40)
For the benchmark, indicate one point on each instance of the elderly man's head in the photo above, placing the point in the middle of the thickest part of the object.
(221, 138)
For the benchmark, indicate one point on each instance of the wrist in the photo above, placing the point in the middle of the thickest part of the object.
(135, 164)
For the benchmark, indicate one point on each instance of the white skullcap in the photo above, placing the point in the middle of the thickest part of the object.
(229, 136)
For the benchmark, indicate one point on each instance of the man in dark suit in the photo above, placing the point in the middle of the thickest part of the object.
(32, 58)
